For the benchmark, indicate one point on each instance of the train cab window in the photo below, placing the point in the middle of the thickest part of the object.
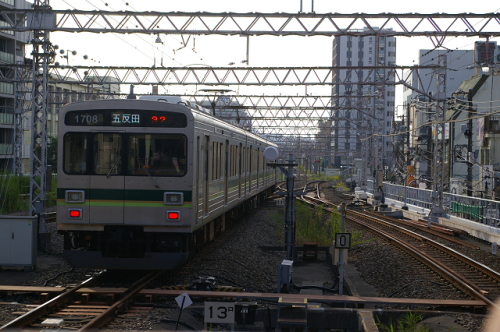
(75, 153)
(107, 154)
(157, 155)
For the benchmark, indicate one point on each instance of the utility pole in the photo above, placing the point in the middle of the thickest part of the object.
(439, 151)
(43, 54)
(469, 146)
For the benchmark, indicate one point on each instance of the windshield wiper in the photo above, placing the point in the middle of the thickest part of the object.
(114, 166)
(149, 175)
(151, 178)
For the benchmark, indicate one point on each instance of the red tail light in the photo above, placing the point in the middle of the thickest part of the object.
(74, 214)
(173, 215)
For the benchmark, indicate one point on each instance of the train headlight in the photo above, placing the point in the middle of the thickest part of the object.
(75, 196)
(170, 198)
(173, 215)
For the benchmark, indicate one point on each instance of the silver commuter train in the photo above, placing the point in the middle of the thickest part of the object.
(143, 183)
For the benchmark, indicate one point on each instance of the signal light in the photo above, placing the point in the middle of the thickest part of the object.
(74, 214)
(173, 215)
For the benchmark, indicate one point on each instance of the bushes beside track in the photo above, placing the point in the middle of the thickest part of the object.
(15, 193)
(318, 228)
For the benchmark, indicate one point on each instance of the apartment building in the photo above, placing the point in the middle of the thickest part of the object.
(422, 109)
(11, 52)
(361, 106)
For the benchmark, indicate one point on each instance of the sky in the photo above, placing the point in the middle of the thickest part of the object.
(141, 50)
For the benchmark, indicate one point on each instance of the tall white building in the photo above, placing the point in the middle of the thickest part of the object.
(11, 52)
(356, 102)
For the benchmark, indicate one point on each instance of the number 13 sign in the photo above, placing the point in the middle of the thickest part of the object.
(219, 312)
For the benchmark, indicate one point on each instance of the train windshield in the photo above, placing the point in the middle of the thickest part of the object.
(75, 153)
(107, 153)
(119, 154)
(157, 154)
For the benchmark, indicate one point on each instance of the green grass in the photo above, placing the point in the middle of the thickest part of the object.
(408, 323)
(15, 193)
(312, 228)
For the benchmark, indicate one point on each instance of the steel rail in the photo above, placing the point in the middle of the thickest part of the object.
(419, 237)
(452, 252)
(437, 266)
(450, 275)
(108, 314)
(426, 230)
(47, 307)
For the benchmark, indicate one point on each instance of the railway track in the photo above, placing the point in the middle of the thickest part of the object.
(84, 307)
(473, 278)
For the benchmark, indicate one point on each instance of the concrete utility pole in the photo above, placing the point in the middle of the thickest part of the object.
(41, 23)
(439, 152)
(469, 145)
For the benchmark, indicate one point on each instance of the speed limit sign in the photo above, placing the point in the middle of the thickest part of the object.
(343, 240)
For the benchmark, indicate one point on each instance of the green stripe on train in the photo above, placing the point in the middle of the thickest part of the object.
(125, 195)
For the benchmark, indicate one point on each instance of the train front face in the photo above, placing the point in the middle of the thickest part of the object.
(124, 184)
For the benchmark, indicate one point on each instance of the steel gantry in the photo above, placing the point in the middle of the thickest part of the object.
(213, 76)
(437, 26)
(42, 19)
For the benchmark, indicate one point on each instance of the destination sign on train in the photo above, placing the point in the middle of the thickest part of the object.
(126, 118)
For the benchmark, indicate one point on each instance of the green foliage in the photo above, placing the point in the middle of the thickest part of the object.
(342, 185)
(14, 193)
(314, 229)
(309, 228)
(409, 323)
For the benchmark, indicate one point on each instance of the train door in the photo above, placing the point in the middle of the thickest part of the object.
(239, 171)
(206, 196)
(107, 181)
(199, 178)
(250, 159)
(226, 173)
(259, 175)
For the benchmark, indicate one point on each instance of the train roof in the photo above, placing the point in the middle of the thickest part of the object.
(196, 110)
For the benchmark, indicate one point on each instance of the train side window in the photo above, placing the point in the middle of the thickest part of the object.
(107, 154)
(75, 153)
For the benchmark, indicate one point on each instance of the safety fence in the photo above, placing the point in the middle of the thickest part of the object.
(476, 209)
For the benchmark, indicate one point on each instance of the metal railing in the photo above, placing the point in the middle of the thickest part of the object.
(476, 209)
(6, 149)
(5, 24)
(9, 2)
(6, 57)
(7, 88)
(6, 119)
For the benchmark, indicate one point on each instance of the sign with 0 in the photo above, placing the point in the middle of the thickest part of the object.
(343, 240)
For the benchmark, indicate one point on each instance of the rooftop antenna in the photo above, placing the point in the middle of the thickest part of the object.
(131, 95)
